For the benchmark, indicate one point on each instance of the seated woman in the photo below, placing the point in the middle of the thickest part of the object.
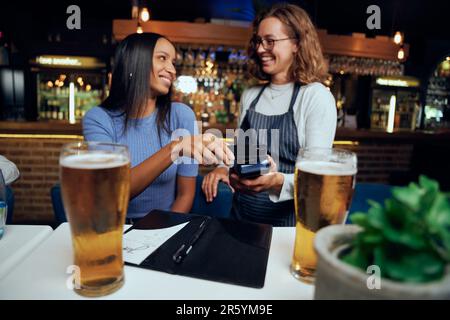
(139, 113)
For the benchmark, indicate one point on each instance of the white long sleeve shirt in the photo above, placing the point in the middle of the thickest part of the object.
(314, 115)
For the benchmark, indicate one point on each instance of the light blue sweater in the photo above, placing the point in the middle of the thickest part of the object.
(142, 140)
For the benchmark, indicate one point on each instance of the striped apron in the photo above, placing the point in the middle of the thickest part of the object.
(259, 208)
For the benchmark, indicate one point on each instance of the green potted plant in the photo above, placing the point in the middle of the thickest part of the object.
(397, 251)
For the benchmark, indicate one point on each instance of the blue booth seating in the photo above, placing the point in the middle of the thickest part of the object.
(10, 204)
(58, 208)
(220, 207)
(365, 191)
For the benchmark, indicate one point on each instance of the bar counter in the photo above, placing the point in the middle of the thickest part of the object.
(57, 127)
(391, 158)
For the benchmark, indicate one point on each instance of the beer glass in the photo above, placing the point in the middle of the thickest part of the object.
(95, 186)
(323, 189)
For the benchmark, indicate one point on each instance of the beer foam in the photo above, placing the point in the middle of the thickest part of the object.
(327, 168)
(94, 161)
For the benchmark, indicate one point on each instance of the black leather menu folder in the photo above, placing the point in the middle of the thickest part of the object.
(228, 251)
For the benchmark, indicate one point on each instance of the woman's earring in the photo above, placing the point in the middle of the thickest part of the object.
(131, 75)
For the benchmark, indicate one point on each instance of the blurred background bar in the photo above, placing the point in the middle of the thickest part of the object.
(391, 86)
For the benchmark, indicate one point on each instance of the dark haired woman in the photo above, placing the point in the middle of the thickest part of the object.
(285, 51)
(139, 113)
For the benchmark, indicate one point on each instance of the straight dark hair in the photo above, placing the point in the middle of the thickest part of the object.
(130, 83)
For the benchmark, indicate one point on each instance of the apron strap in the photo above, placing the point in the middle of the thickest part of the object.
(255, 101)
(294, 96)
(291, 104)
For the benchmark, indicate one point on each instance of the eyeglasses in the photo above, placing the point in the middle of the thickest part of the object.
(267, 44)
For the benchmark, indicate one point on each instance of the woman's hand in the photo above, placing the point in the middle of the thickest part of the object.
(207, 149)
(211, 181)
(272, 181)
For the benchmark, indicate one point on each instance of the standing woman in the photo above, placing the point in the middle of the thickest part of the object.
(284, 51)
(139, 113)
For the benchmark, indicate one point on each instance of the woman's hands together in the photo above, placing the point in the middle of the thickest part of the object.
(272, 181)
(211, 181)
(207, 149)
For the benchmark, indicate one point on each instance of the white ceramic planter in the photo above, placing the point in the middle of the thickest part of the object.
(336, 279)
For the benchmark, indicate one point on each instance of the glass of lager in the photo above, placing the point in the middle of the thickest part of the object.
(323, 189)
(95, 186)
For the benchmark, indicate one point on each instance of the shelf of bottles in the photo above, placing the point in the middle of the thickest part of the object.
(54, 94)
(437, 107)
(211, 80)
(364, 66)
(405, 111)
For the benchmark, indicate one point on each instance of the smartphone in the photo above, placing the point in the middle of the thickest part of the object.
(251, 171)
(252, 164)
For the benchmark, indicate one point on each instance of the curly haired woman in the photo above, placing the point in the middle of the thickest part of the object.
(285, 52)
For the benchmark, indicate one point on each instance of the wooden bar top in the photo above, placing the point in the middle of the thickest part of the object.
(399, 136)
(56, 127)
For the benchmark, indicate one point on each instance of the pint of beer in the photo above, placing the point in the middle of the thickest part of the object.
(95, 185)
(323, 190)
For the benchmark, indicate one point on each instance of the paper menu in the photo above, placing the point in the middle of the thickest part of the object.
(139, 244)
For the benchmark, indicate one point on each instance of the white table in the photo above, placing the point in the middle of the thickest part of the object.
(17, 243)
(43, 276)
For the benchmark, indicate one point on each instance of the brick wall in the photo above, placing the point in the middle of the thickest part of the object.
(37, 160)
(377, 162)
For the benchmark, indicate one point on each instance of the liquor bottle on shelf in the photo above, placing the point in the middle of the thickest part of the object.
(60, 114)
(49, 109)
(55, 111)
(220, 80)
(4, 50)
(212, 118)
(205, 117)
(43, 109)
(200, 59)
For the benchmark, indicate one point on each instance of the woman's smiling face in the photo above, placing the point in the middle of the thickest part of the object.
(163, 70)
(277, 61)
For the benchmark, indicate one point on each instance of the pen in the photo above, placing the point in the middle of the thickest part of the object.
(185, 248)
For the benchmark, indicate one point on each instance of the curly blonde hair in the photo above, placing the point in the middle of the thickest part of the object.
(309, 64)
